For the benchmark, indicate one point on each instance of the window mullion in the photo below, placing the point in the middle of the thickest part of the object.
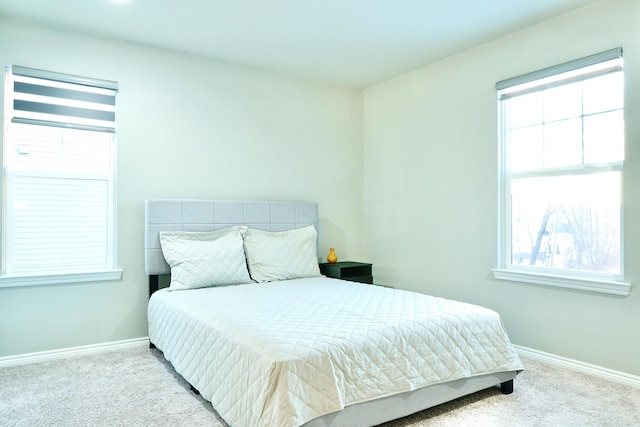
(578, 170)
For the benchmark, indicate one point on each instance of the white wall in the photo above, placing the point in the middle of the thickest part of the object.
(187, 127)
(431, 186)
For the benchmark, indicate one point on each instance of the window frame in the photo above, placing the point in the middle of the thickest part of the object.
(562, 278)
(78, 274)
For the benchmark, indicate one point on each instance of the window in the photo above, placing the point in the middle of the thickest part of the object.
(562, 153)
(58, 222)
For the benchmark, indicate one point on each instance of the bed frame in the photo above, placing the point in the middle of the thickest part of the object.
(208, 215)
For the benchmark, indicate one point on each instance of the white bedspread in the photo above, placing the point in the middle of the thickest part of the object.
(283, 353)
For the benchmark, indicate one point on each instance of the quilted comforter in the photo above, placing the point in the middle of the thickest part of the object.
(284, 353)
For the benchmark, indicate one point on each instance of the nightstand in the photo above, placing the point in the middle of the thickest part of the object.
(348, 270)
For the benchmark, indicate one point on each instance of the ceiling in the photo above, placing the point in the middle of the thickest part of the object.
(350, 43)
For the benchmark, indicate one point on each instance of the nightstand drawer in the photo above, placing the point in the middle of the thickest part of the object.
(348, 270)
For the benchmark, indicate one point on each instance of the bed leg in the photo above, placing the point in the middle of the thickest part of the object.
(506, 387)
(193, 389)
(154, 283)
(151, 345)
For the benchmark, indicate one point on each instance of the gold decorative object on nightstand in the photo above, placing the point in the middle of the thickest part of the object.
(332, 258)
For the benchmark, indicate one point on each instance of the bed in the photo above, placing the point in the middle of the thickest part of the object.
(271, 342)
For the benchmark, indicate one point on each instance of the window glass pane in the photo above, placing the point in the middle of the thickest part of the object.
(567, 222)
(526, 110)
(563, 102)
(29, 147)
(48, 148)
(604, 137)
(604, 93)
(86, 151)
(563, 143)
(527, 148)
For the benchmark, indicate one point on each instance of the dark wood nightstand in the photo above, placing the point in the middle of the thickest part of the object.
(348, 270)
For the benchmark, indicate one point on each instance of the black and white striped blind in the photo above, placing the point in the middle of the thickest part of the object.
(54, 99)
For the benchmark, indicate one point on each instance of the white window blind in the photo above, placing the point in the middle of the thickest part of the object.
(59, 148)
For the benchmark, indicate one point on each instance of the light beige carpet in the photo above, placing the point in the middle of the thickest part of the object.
(137, 387)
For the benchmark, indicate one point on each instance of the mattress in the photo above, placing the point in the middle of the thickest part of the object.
(283, 353)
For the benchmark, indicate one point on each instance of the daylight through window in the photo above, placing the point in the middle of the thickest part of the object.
(58, 148)
(562, 153)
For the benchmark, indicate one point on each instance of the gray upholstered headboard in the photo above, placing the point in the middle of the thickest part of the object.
(209, 215)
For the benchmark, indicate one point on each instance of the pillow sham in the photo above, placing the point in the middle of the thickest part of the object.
(204, 259)
(281, 255)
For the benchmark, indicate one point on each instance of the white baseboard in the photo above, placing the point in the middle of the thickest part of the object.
(65, 353)
(585, 368)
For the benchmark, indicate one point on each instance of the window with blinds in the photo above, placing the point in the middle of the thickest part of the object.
(562, 154)
(59, 146)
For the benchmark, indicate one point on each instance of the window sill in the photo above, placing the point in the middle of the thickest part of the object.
(612, 287)
(59, 278)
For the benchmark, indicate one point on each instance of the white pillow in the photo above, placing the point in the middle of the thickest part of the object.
(202, 259)
(281, 255)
